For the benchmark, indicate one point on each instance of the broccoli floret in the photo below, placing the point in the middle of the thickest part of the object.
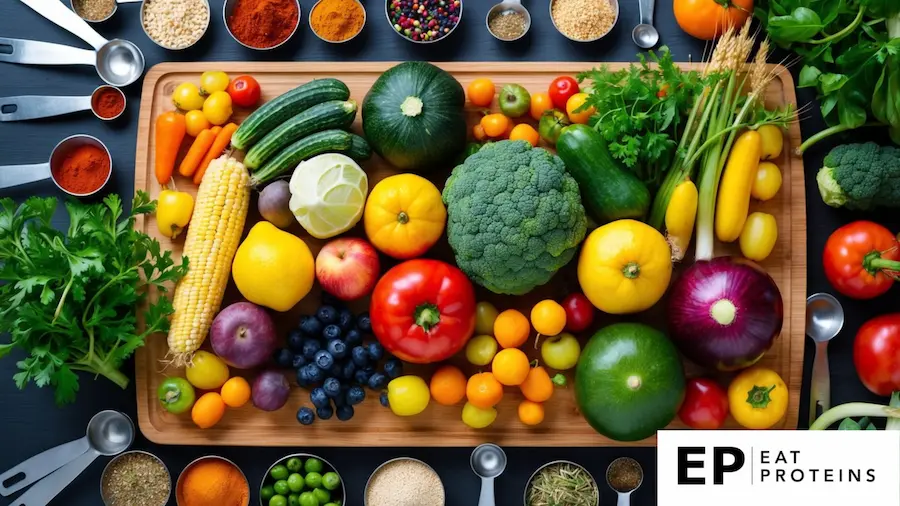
(861, 176)
(514, 216)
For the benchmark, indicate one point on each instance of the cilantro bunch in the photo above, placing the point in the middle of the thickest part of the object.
(70, 298)
(642, 111)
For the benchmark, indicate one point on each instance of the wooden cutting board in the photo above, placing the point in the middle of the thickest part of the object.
(440, 425)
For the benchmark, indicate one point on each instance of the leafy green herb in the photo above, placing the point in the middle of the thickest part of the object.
(70, 299)
(642, 111)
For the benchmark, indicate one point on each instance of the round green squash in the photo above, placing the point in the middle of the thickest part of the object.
(629, 381)
(413, 116)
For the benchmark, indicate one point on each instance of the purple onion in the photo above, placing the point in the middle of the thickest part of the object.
(725, 313)
(270, 391)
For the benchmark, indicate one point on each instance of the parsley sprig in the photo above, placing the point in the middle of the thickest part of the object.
(70, 298)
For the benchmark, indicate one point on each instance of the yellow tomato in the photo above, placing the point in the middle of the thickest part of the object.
(772, 141)
(759, 236)
(206, 371)
(212, 81)
(404, 216)
(624, 267)
(758, 398)
(173, 212)
(478, 418)
(187, 97)
(525, 132)
(767, 181)
(572, 109)
(540, 103)
(195, 122)
(495, 125)
(217, 108)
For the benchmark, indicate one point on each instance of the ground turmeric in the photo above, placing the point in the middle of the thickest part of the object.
(213, 482)
(337, 20)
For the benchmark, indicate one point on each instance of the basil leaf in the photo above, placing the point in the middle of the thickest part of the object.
(801, 25)
(809, 77)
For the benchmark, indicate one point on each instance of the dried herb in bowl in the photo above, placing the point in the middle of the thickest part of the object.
(562, 483)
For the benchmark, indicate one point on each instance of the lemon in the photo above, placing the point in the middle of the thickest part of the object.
(328, 194)
(273, 268)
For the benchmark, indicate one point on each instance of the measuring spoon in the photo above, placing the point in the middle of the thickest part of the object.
(36, 106)
(488, 461)
(109, 433)
(17, 175)
(502, 9)
(115, 8)
(645, 34)
(50, 460)
(624, 496)
(824, 321)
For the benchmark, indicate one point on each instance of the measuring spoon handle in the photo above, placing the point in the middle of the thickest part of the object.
(52, 485)
(55, 11)
(43, 464)
(624, 497)
(36, 106)
(646, 7)
(44, 53)
(820, 390)
(487, 492)
(17, 175)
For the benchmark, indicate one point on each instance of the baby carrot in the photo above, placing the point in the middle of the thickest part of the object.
(170, 130)
(218, 146)
(197, 152)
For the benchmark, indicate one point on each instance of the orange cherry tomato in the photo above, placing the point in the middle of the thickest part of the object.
(484, 391)
(572, 106)
(448, 385)
(478, 133)
(481, 92)
(708, 19)
(511, 329)
(236, 392)
(540, 103)
(510, 367)
(208, 410)
(495, 125)
(525, 132)
(531, 413)
(537, 387)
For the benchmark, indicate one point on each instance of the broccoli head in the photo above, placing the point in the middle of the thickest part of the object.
(514, 216)
(861, 176)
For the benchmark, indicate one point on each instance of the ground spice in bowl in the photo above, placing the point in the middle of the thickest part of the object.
(337, 20)
(212, 481)
(583, 20)
(135, 479)
(94, 10)
(624, 474)
(108, 102)
(84, 170)
(263, 24)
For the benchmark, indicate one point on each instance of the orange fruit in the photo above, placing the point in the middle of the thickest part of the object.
(235, 392)
(525, 132)
(548, 317)
(208, 410)
(481, 92)
(540, 103)
(495, 125)
(510, 366)
(537, 387)
(531, 413)
(478, 133)
(511, 329)
(483, 390)
(448, 385)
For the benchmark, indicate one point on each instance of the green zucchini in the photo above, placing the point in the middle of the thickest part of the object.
(331, 114)
(359, 149)
(608, 191)
(280, 109)
(327, 141)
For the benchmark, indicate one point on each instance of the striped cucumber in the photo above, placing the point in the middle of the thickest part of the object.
(331, 114)
(280, 109)
(327, 141)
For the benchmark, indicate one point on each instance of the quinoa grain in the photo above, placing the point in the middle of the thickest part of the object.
(583, 19)
(405, 482)
(175, 24)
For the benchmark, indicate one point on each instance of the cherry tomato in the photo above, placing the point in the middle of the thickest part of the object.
(495, 125)
(561, 89)
(705, 404)
(540, 103)
(579, 312)
(481, 92)
(244, 91)
(876, 354)
(860, 259)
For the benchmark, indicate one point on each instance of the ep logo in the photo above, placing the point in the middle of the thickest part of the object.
(722, 459)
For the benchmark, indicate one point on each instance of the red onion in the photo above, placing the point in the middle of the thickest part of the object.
(270, 391)
(725, 313)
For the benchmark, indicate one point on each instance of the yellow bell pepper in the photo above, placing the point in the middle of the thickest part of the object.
(758, 398)
(173, 212)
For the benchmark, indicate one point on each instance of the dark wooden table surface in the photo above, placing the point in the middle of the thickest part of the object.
(30, 422)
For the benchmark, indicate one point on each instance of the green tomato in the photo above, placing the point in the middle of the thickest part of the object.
(295, 482)
(308, 499)
(281, 487)
(331, 481)
(322, 495)
(266, 493)
(176, 395)
(485, 314)
(552, 124)
(408, 395)
(278, 500)
(561, 352)
(294, 464)
(314, 465)
(279, 472)
(480, 350)
(294, 500)
(313, 480)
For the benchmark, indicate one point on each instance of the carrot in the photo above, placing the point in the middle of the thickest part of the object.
(170, 130)
(218, 146)
(197, 152)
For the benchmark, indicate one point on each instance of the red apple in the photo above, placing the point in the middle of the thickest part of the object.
(348, 268)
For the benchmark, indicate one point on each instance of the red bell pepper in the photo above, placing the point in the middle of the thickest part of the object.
(861, 259)
(423, 311)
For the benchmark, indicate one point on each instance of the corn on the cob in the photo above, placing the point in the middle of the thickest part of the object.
(212, 239)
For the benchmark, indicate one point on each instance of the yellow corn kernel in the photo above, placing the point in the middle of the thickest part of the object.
(680, 216)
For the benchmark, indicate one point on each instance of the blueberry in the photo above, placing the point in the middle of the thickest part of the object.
(346, 320)
(363, 322)
(332, 387)
(332, 332)
(303, 377)
(336, 370)
(311, 326)
(376, 351)
(319, 398)
(393, 368)
(377, 381)
(383, 399)
(314, 374)
(360, 356)
(345, 412)
(325, 412)
(353, 338)
(299, 361)
(306, 416)
(310, 347)
(337, 348)
(324, 360)
(295, 341)
(284, 357)
(355, 395)
(327, 315)
(361, 376)
(348, 371)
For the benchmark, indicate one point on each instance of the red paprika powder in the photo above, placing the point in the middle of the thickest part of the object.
(108, 102)
(83, 170)
(263, 23)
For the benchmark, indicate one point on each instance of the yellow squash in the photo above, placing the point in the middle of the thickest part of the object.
(758, 398)
(680, 216)
(625, 267)
(404, 216)
(733, 201)
(173, 212)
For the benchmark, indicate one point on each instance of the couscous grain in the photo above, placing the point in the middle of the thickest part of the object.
(175, 24)
(583, 19)
(405, 482)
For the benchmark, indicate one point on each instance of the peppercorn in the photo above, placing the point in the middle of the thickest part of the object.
(424, 20)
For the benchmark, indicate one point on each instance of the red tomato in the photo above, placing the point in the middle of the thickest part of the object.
(244, 91)
(423, 310)
(561, 89)
(860, 258)
(876, 354)
(579, 312)
(705, 404)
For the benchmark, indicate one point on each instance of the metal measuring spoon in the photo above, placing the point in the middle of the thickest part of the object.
(115, 8)
(105, 423)
(36, 106)
(118, 62)
(504, 7)
(824, 320)
(624, 498)
(645, 34)
(17, 175)
(488, 461)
